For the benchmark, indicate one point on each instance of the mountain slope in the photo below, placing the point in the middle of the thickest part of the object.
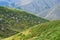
(44, 31)
(16, 20)
(51, 14)
(7, 33)
(54, 13)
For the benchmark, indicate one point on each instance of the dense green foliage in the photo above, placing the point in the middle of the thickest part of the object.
(44, 31)
(12, 20)
(7, 33)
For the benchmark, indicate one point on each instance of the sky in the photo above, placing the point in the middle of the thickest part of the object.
(21, 2)
(25, 2)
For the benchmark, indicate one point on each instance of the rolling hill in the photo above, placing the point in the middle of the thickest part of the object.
(44, 31)
(13, 21)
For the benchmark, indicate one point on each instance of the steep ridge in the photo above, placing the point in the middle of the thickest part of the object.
(13, 21)
(44, 31)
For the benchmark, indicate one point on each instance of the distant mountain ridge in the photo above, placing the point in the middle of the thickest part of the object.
(33, 6)
(54, 14)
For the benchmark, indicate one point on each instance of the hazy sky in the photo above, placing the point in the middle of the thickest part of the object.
(25, 2)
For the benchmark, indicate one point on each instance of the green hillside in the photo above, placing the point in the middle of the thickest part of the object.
(7, 33)
(13, 21)
(44, 31)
